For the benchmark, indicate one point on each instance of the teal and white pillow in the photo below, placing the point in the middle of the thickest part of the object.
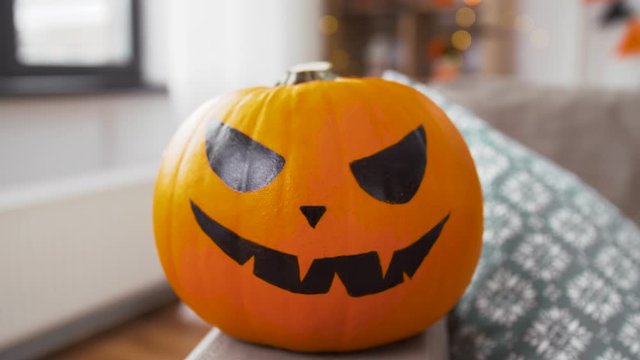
(559, 276)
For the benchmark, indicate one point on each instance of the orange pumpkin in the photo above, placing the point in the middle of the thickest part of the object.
(327, 215)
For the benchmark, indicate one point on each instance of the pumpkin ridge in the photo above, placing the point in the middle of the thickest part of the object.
(333, 114)
(168, 217)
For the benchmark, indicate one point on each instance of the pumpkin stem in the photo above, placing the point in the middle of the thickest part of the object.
(317, 70)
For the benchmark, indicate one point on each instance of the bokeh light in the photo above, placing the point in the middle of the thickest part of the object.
(461, 40)
(443, 3)
(465, 17)
(540, 38)
(524, 23)
(436, 48)
(472, 2)
(328, 25)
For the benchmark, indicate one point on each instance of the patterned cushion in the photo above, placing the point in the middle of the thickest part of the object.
(559, 276)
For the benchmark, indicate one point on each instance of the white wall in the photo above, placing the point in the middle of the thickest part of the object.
(563, 43)
(217, 46)
(557, 62)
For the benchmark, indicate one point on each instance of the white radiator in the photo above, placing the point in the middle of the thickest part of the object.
(71, 248)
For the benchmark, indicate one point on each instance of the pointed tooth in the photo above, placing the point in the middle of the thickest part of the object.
(406, 277)
(385, 257)
(248, 266)
(304, 264)
(249, 263)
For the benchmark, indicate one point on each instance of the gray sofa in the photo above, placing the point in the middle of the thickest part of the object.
(593, 133)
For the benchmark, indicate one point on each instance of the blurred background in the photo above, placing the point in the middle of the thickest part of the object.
(91, 91)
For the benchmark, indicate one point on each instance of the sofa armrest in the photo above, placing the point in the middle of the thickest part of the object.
(593, 133)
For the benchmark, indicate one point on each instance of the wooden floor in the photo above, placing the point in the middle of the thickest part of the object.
(169, 333)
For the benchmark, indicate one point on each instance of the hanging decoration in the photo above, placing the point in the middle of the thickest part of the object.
(630, 44)
(617, 11)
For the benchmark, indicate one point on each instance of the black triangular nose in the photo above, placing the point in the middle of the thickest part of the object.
(313, 214)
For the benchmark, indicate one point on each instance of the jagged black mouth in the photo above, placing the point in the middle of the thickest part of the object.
(361, 274)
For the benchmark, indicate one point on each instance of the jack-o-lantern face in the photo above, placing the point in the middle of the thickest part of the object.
(392, 175)
(324, 216)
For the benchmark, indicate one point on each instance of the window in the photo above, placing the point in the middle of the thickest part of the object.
(68, 46)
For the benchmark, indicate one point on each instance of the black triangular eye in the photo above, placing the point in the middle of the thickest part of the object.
(394, 174)
(242, 163)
